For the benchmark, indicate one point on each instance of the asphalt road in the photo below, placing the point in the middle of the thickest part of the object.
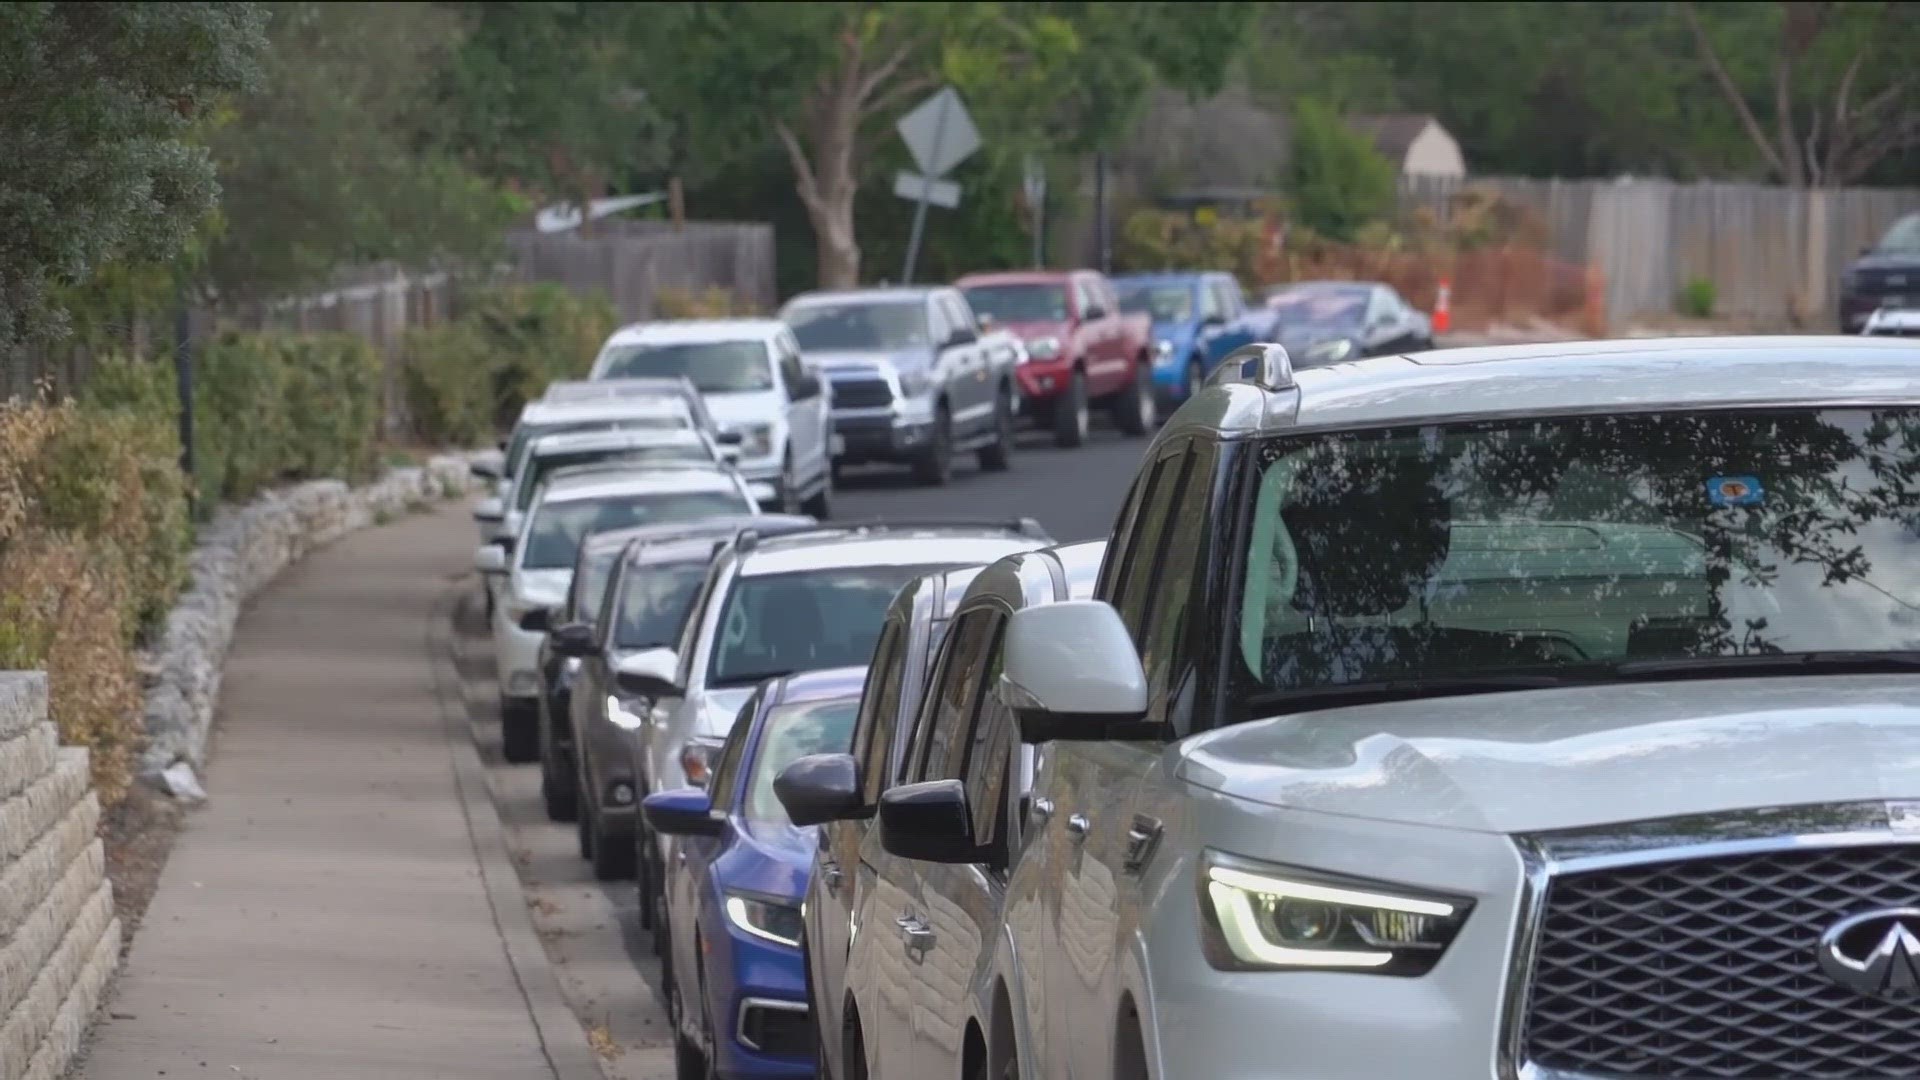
(1075, 494)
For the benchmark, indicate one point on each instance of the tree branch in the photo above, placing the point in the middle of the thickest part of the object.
(1790, 155)
(898, 92)
(802, 168)
(1897, 136)
(1731, 90)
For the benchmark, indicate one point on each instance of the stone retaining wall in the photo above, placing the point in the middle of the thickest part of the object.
(241, 551)
(59, 939)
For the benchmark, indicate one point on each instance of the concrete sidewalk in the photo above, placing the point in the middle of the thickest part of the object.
(344, 907)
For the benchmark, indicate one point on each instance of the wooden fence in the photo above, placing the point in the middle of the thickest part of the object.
(1773, 254)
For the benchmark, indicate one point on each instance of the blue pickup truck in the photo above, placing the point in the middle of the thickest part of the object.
(1199, 316)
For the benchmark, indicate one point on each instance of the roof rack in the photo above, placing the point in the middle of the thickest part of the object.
(1263, 364)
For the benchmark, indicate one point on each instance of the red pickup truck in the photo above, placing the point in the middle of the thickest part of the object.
(1082, 349)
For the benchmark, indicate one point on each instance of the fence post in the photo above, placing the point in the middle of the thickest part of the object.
(183, 382)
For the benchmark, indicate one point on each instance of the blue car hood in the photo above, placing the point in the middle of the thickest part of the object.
(773, 858)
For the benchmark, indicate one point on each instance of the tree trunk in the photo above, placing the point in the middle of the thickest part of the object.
(838, 260)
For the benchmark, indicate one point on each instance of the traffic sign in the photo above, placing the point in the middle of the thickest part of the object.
(939, 133)
(941, 193)
(563, 217)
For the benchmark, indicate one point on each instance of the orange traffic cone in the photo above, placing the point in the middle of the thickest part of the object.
(1442, 307)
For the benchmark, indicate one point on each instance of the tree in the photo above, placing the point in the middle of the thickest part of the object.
(1339, 182)
(98, 103)
(556, 96)
(324, 167)
(1824, 91)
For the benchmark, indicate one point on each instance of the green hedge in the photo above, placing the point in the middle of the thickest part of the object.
(465, 381)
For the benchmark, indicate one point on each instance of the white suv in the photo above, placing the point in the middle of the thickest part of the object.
(1538, 711)
(781, 605)
(756, 386)
(536, 567)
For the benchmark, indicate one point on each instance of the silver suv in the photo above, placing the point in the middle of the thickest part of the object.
(1515, 712)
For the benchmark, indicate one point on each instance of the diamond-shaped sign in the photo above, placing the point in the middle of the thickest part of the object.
(939, 133)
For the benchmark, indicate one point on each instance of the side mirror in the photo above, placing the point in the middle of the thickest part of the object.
(490, 559)
(539, 620)
(762, 492)
(730, 438)
(806, 387)
(649, 674)
(930, 822)
(1093, 312)
(820, 788)
(962, 335)
(487, 464)
(682, 812)
(572, 639)
(489, 510)
(1071, 673)
(730, 454)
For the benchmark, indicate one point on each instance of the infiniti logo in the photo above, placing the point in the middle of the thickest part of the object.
(1876, 953)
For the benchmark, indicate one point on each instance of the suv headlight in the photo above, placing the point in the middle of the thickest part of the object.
(1045, 348)
(697, 757)
(766, 919)
(756, 440)
(1261, 917)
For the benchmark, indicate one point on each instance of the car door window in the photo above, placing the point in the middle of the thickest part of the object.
(1210, 304)
(938, 328)
(1175, 578)
(792, 371)
(989, 751)
(1133, 588)
(727, 771)
(1224, 298)
(952, 694)
(956, 316)
(879, 703)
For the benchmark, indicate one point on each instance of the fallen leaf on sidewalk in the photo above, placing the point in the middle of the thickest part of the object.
(602, 1042)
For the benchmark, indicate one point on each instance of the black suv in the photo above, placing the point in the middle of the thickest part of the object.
(1886, 275)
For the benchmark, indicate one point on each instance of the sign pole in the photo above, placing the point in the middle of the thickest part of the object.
(926, 196)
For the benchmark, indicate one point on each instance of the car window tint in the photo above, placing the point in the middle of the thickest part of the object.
(804, 620)
(726, 771)
(879, 702)
(989, 747)
(952, 693)
(655, 602)
(789, 733)
(1178, 562)
(1133, 588)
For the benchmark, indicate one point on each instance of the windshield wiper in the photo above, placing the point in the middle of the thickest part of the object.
(753, 679)
(1830, 662)
(1411, 689)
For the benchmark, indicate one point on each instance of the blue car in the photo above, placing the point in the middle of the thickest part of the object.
(1198, 318)
(735, 978)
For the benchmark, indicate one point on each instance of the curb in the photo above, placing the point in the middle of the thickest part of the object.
(562, 1038)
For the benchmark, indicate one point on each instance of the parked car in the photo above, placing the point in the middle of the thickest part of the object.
(1082, 349)
(784, 605)
(912, 378)
(635, 445)
(651, 585)
(840, 791)
(1886, 275)
(755, 384)
(573, 631)
(621, 405)
(1331, 322)
(734, 976)
(536, 566)
(1198, 318)
(1327, 771)
(1893, 322)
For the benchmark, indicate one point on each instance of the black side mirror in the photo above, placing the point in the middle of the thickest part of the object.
(573, 639)
(820, 788)
(806, 387)
(929, 821)
(537, 620)
(730, 438)
(1094, 312)
(962, 336)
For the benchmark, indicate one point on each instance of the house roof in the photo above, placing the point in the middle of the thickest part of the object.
(1393, 133)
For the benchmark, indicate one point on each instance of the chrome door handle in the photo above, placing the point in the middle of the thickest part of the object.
(1040, 811)
(830, 876)
(1077, 826)
(915, 935)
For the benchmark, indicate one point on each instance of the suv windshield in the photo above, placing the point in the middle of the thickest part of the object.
(654, 603)
(808, 620)
(1020, 303)
(791, 733)
(1162, 303)
(716, 367)
(1903, 238)
(1335, 308)
(639, 457)
(1581, 547)
(525, 434)
(555, 532)
(891, 326)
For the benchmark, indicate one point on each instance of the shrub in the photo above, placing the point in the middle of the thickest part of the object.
(333, 397)
(712, 302)
(448, 382)
(1172, 240)
(1338, 181)
(1697, 298)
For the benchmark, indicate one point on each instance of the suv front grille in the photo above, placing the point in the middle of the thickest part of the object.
(1707, 968)
(861, 394)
